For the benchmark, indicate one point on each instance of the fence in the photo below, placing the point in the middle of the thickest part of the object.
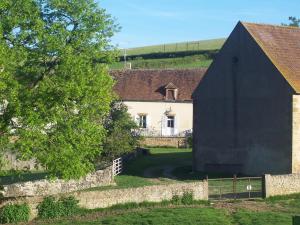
(117, 166)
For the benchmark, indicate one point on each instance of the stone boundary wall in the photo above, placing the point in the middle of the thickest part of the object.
(155, 193)
(45, 187)
(107, 198)
(281, 184)
(177, 142)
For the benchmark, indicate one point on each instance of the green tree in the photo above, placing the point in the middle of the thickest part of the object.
(122, 135)
(294, 22)
(64, 89)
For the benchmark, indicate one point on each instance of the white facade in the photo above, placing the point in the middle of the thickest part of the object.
(162, 118)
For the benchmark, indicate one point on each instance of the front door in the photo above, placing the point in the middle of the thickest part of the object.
(170, 129)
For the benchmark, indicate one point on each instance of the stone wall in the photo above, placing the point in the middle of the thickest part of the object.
(281, 184)
(156, 193)
(177, 142)
(106, 198)
(45, 187)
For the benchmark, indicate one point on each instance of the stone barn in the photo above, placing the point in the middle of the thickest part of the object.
(247, 105)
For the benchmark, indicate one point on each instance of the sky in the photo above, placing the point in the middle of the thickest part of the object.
(151, 22)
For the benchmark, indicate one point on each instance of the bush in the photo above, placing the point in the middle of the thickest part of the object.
(50, 208)
(176, 200)
(186, 199)
(190, 141)
(14, 213)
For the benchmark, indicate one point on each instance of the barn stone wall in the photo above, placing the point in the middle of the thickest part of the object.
(296, 135)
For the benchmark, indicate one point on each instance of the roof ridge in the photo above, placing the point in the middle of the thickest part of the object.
(271, 25)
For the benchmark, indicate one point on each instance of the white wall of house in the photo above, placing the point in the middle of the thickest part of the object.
(158, 114)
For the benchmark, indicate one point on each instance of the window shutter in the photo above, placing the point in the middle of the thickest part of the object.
(137, 119)
(148, 123)
(176, 124)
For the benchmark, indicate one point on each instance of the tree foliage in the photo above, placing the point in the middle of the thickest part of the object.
(55, 80)
(122, 135)
(294, 22)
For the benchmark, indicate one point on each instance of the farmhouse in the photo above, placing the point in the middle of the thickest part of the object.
(160, 101)
(247, 106)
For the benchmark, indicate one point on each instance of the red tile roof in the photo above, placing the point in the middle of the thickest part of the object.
(282, 45)
(149, 85)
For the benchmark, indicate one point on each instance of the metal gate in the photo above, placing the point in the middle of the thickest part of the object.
(117, 166)
(235, 188)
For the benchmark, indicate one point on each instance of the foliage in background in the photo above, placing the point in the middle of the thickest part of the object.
(51, 208)
(294, 22)
(55, 90)
(122, 137)
(14, 213)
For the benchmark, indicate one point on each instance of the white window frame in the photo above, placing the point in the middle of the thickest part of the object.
(142, 121)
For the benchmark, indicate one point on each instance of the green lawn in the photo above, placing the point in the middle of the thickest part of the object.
(181, 215)
(177, 47)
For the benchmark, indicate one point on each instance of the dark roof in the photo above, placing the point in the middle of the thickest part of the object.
(149, 85)
(282, 45)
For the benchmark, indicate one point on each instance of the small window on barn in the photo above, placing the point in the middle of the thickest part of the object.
(171, 92)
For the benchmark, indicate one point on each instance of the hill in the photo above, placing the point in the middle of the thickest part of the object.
(177, 47)
(182, 55)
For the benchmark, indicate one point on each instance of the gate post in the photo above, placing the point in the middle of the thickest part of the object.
(263, 186)
(234, 186)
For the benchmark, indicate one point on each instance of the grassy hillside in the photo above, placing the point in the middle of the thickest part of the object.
(188, 62)
(185, 55)
(177, 47)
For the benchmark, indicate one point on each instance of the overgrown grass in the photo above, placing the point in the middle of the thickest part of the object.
(244, 217)
(290, 202)
(134, 214)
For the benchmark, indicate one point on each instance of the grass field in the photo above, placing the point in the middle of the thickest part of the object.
(188, 62)
(224, 213)
(176, 47)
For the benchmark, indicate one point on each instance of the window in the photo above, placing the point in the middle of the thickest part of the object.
(170, 121)
(142, 121)
(171, 94)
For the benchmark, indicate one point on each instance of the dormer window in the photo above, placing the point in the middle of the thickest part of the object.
(171, 92)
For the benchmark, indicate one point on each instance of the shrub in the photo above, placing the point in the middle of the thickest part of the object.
(50, 208)
(190, 141)
(14, 213)
(176, 200)
(187, 198)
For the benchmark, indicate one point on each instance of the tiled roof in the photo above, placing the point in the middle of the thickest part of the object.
(149, 85)
(282, 45)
